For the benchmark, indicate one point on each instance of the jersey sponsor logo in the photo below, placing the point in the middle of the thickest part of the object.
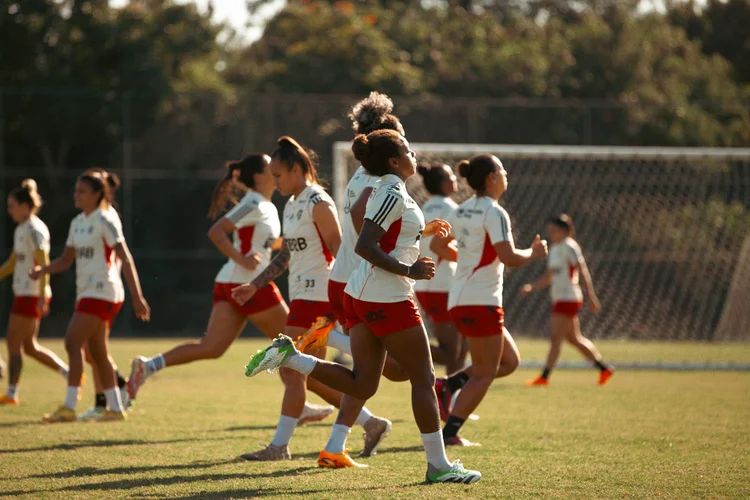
(90, 229)
(85, 253)
(21, 257)
(466, 213)
(296, 244)
(373, 316)
(299, 214)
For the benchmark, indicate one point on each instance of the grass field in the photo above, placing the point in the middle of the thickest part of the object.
(645, 435)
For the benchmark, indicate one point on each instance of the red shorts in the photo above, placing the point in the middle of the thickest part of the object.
(336, 299)
(382, 318)
(265, 298)
(478, 321)
(303, 313)
(102, 309)
(435, 306)
(26, 306)
(570, 309)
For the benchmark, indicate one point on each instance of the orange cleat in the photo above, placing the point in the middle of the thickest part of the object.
(539, 381)
(316, 336)
(605, 375)
(6, 401)
(337, 460)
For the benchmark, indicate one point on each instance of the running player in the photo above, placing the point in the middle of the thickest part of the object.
(381, 314)
(481, 228)
(432, 295)
(31, 245)
(254, 223)
(94, 241)
(312, 236)
(565, 266)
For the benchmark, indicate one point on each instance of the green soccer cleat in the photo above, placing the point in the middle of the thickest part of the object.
(272, 357)
(456, 474)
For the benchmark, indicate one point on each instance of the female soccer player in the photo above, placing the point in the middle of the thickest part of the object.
(380, 312)
(30, 247)
(94, 241)
(564, 267)
(312, 236)
(481, 228)
(432, 295)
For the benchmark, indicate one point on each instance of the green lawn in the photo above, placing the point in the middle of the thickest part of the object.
(646, 435)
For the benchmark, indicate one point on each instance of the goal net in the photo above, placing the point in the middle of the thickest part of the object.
(665, 232)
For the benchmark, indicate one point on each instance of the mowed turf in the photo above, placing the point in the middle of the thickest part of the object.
(645, 435)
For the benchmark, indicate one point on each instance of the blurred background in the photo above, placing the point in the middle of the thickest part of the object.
(164, 92)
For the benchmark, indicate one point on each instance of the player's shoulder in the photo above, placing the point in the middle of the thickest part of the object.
(109, 216)
(316, 194)
(449, 203)
(78, 218)
(571, 244)
(37, 225)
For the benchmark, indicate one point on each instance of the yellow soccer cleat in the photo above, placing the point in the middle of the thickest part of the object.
(112, 416)
(6, 401)
(337, 460)
(61, 415)
(316, 336)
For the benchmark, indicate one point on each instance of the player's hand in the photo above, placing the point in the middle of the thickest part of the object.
(422, 269)
(243, 293)
(36, 272)
(251, 261)
(42, 306)
(593, 303)
(142, 309)
(526, 290)
(539, 248)
(437, 227)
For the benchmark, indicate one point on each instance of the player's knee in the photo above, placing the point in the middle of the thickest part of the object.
(31, 350)
(72, 346)
(366, 390)
(213, 351)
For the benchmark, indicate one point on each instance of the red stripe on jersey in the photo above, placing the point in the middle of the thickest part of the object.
(572, 271)
(388, 241)
(107, 253)
(327, 253)
(245, 235)
(488, 253)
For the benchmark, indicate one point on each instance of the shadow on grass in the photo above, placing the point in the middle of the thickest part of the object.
(104, 444)
(273, 492)
(93, 471)
(20, 423)
(247, 428)
(313, 455)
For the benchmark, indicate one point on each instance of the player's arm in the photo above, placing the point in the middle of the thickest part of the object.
(7, 268)
(325, 219)
(359, 208)
(516, 257)
(276, 268)
(59, 265)
(141, 307)
(444, 247)
(540, 284)
(367, 247)
(588, 285)
(218, 234)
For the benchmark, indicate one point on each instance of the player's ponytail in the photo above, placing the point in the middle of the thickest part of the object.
(565, 222)
(476, 170)
(375, 150)
(291, 153)
(239, 178)
(28, 194)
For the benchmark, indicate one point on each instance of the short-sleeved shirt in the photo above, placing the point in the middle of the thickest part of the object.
(257, 227)
(29, 236)
(94, 237)
(437, 207)
(478, 224)
(563, 262)
(391, 208)
(310, 260)
(346, 260)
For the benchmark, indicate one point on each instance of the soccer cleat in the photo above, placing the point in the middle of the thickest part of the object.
(444, 397)
(314, 413)
(456, 474)
(376, 430)
(337, 460)
(605, 375)
(458, 441)
(112, 416)
(125, 400)
(8, 401)
(272, 357)
(269, 454)
(62, 414)
(91, 414)
(138, 375)
(539, 381)
(316, 336)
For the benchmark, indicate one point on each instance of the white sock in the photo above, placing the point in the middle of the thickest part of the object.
(155, 364)
(71, 397)
(303, 363)
(337, 441)
(12, 391)
(435, 450)
(284, 430)
(113, 398)
(339, 341)
(63, 371)
(363, 417)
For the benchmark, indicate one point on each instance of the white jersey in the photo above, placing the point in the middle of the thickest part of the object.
(563, 262)
(310, 260)
(391, 208)
(30, 236)
(437, 207)
(478, 224)
(257, 227)
(97, 268)
(346, 260)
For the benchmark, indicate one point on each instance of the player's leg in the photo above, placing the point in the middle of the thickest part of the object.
(588, 349)
(19, 327)
(559, 326)
(98, 346)
(45, 356)
(449, 346)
